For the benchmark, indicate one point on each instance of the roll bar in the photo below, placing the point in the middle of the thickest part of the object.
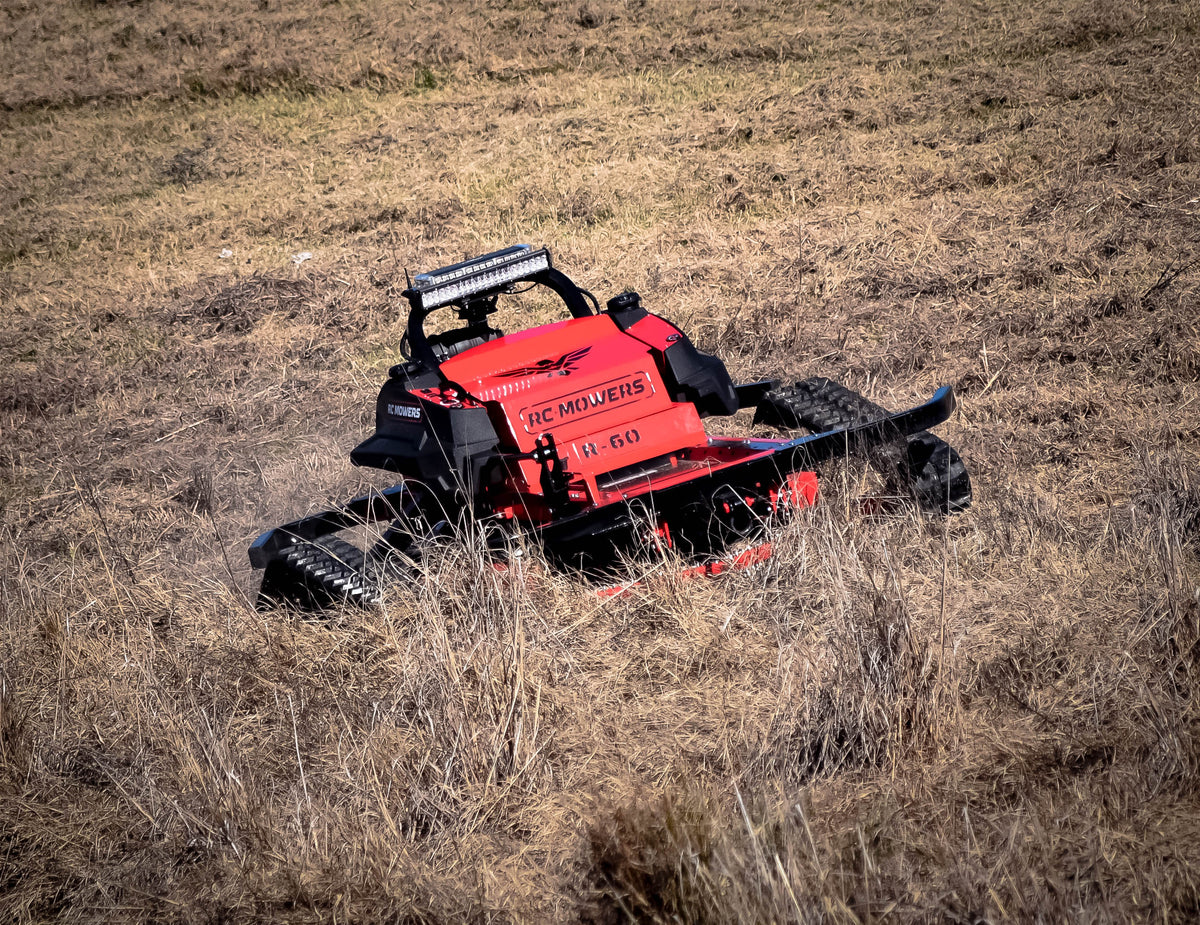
(480, 279)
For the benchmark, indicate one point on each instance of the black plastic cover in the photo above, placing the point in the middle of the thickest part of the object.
(446, 448)
(626, 310)
(699, 378)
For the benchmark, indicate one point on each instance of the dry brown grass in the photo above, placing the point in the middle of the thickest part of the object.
(994, 717)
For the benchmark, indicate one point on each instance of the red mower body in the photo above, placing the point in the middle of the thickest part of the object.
(601, 392)
(594, 402)
(587, 431)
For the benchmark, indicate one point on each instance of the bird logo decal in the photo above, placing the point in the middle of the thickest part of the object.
(563, 365)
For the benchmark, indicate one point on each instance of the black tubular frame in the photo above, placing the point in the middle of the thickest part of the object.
(554, 280)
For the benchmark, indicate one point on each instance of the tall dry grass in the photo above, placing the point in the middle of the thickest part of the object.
(985, 718)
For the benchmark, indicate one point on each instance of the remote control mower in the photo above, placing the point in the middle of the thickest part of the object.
(588, 433)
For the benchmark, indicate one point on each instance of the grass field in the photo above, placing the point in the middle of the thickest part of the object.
(988, 718)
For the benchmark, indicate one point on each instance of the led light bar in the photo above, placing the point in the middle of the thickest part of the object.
(480, 274)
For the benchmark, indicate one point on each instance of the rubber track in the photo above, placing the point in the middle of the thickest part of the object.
(314, 575)
(931, 470)
(936, 475)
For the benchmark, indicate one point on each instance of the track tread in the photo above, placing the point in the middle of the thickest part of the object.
(312, 575)
(929, 468)
(818, 405)
(936, 475)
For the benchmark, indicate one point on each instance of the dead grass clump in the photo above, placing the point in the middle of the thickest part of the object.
(239, 306)
(873, 687)
(262, 746)
(16, 743)
(644, 862)
(188, 166)
(298, 298)
(433, 216)
(49, 387)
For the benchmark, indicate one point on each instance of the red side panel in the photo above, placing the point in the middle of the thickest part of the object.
(596, 389)
(655, 332)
